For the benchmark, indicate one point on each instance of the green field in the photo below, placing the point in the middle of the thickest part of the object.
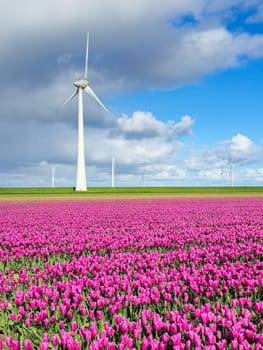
(128, 191)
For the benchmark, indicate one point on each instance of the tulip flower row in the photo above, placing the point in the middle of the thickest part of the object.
(132, 274)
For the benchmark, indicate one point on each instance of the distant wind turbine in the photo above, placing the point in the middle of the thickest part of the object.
(53, 169)
(83, 84)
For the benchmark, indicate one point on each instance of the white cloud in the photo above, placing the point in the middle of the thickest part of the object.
(184, 127)
(254, 175)
(126, 150)
(212, 174)
(142, 123)
(241, 143)
(171, 55)
(242, 148)
(161, 159)
(170, 172)
(101, 144)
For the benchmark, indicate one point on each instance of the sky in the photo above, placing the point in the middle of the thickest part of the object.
(182, 81)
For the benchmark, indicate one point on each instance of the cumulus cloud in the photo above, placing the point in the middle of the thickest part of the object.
(141, 124)
(151, 160)
(145, 125)
(154, 144)
(241, 143)
(184, 127)
(242, 148)
(141, 137)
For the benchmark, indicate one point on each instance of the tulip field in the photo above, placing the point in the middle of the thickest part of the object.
(132, 274)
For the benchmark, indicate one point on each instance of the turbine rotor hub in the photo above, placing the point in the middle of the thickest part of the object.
(81, 83)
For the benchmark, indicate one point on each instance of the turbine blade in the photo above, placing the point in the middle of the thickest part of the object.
(71, 96)
(87, 57)
(93, 95)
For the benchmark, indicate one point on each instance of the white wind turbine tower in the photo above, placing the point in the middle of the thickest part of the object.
(53, 169)
(83, 85)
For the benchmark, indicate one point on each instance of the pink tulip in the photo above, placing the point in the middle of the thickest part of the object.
(110, 331)
(43, 346)
(8, 341)
(46, 322)
(172, 273)
(70, 314)
(15, 345)
(93, 329)
(54, 340)
(117, 319)
(77, 345)
(111, 346)
(45, 337)
(88, 335)
(63, 309)
(99, 315)
(145, 344)
(74, 326)
(12, 316)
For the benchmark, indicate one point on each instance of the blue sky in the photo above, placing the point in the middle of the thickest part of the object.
(223, 104)
(182, 81)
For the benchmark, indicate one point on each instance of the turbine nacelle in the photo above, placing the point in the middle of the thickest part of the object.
(81, 83)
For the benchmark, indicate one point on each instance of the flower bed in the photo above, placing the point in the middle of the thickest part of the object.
(132, 274)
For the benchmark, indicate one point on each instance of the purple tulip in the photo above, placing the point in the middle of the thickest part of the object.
(54, 340)
(12, 316)
(117, 319)
(9, 342)
(74, 326)
(93, 329)
(46, 322)
(63, 309)
(111, 346)
(99, 315)
(186, 273)
(43, 346)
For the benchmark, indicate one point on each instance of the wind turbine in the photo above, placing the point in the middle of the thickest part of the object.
(83, 85)
(53, 169)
